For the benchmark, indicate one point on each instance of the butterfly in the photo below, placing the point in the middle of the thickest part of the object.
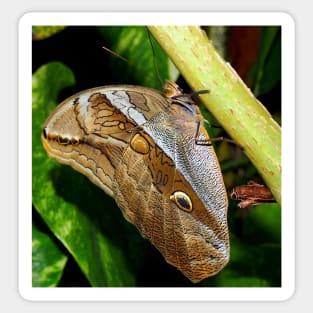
(150, 151)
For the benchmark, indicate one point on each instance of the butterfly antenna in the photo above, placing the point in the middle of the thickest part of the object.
(154, 59)
(116, 54)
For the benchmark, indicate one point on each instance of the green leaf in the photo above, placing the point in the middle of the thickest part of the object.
(48, 261)
(148, 65)
(263, 223)
(268, 67)
(234, 279)
(256, 250)
(43, 32)
(79, 214)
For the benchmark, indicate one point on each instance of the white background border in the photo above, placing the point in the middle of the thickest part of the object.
(134, 294)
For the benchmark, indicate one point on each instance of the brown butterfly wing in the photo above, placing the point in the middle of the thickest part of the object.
(120, 141)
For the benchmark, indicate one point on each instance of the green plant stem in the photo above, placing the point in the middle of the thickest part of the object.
(229, 99)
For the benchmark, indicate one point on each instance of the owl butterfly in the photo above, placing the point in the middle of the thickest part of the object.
(140, 146)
